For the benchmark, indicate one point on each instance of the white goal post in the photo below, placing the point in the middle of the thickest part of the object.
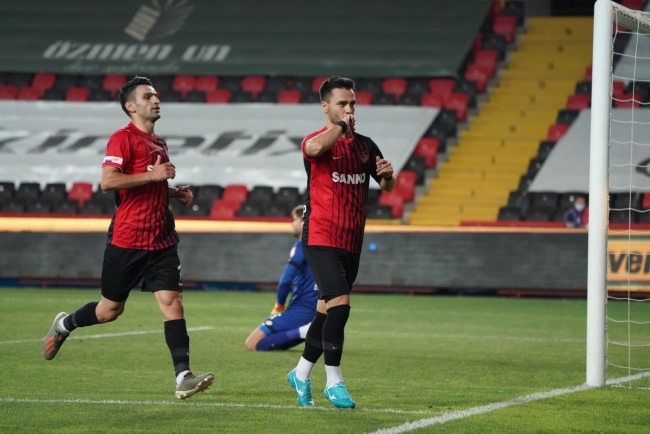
(606, 14)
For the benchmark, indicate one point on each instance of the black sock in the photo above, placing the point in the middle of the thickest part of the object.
(83, 317)
(179, 344)
(333, 330)
(314, 339)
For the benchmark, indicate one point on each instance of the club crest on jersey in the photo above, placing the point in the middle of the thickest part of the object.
(355, 178)
(364, 156)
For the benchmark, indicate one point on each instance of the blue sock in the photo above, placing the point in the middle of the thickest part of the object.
(279, 341)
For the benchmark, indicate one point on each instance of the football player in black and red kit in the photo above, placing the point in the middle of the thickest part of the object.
(142, 240)
(339, 164)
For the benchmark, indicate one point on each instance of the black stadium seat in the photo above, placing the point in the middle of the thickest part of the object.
(13, 206)
(509, 214)
(91, 82)
(39, 206)
(288, 195)
(208, 193)
(65, 82)
(54, 191)
(544, 200)
(261, 194)
(65, 206)
(566, 117)
(195, 96)
(418, 165)
(538, 214)
(197, 208)
(92, 207)
(276, 210)
(250, 209)
(373, 196)
(99, 95)
(28, 190)
(379, 212)
(7, 190)
(622, 217)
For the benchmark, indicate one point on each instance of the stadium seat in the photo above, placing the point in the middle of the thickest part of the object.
(7, 190)
(495, 42)
(92, 207)
(316, 83)
(100, 95)
(488, 59)
(618, 89)
(625, 200)
(578, 102)
(28, 94)
(206, 84)
(91, 82)
(636, 5)
(223, 210)
(567, 116)
(235, 192)
(81, 192)
(432, 100)
(363, 97)
(276, 210)
(555, 132)
(250, 209)
(43, 81)
(288, 195)
(65, 206)
(495, 9)
(241, 97)
(113, 83)
(77, 94)
(623, 216)
(515, 9)
(8, 92)
(544, 200)
(54, 191)
(545, 148)
(416, 164)
(107, 198)
(303, 84)
(171, 96)
(38, 207)
(538, 214)
(506, 26)
(379, 212)
(195, 96)
(443, 87)
(583, 88)
(52, 95)
(218, 96)
(289, 97)
(405, 185)
(645, 201)
(312, 98)
(373, 196)
(183, 84)
(197, 209)
(458, 102)
(370, 84)
(66, 81)
(267, 96)
(28, 190)
(476, 44)
(394, 200)
(627, 101)
(394, 86)
(208, 193)
(477, 74)
(277, 84)
(409, 99)
(261, 194)
(566, 201)
(509, 214)
(19, 79)
(162, 83)
(254, 85)
(418, 86)
(427, 148)
(13, 206)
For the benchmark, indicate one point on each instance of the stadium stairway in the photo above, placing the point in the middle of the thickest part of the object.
(496, 149)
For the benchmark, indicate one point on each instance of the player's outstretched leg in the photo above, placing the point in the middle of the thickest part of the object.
(54, 338)
(303, 389)
(192, 384)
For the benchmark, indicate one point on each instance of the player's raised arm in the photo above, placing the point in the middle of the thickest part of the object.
(114, 179)
(325, 140)
(385, 170)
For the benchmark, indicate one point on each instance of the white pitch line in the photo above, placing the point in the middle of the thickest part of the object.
(199, 404)
(107, 335)
(478, 337)
(444, 418)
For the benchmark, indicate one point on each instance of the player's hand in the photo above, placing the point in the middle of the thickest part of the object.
(350, 121)
(384, 168)
(184, 195)
(162, 172)
(277, 310)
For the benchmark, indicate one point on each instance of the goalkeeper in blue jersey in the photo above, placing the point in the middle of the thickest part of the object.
(287, 328)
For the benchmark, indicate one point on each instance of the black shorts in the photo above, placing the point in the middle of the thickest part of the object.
(334, 270)
(124, 268)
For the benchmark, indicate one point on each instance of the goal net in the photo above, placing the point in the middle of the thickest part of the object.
(618, 336)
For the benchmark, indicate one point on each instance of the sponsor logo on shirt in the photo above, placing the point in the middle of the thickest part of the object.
(114, 160)
(355, 178)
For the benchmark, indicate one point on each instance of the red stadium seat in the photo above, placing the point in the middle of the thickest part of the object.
(224, 209)
(478, 75)
(8, 92)
(218, 96)
(113, 83)
(394, 200)
(43, 81)
(458, 102)
(477, 43)
(29, 94)
(505, 25)
(555, 132)
(645, 202)
(77, 94)
(432, 100)
(289, 97)
(495, 9)
(81, 191)
(427, 148)
(488, 59)
(394, 86)
(588, 73)
(442, 87)
(363, 97)
(206, 84)
(578, 102)
(405, 186)
(235, 193)
(183, 84)
(315, 85)
(253, 85)
(626, 101)
(618, 89)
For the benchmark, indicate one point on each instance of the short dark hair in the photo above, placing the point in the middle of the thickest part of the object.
(126, 91)
(334, 82)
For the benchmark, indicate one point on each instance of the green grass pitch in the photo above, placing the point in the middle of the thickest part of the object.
(406, 358)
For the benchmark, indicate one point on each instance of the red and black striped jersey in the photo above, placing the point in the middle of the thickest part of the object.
(337, 191)
(142, 220)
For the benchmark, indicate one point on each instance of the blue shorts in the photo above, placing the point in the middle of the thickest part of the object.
(290, 319)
